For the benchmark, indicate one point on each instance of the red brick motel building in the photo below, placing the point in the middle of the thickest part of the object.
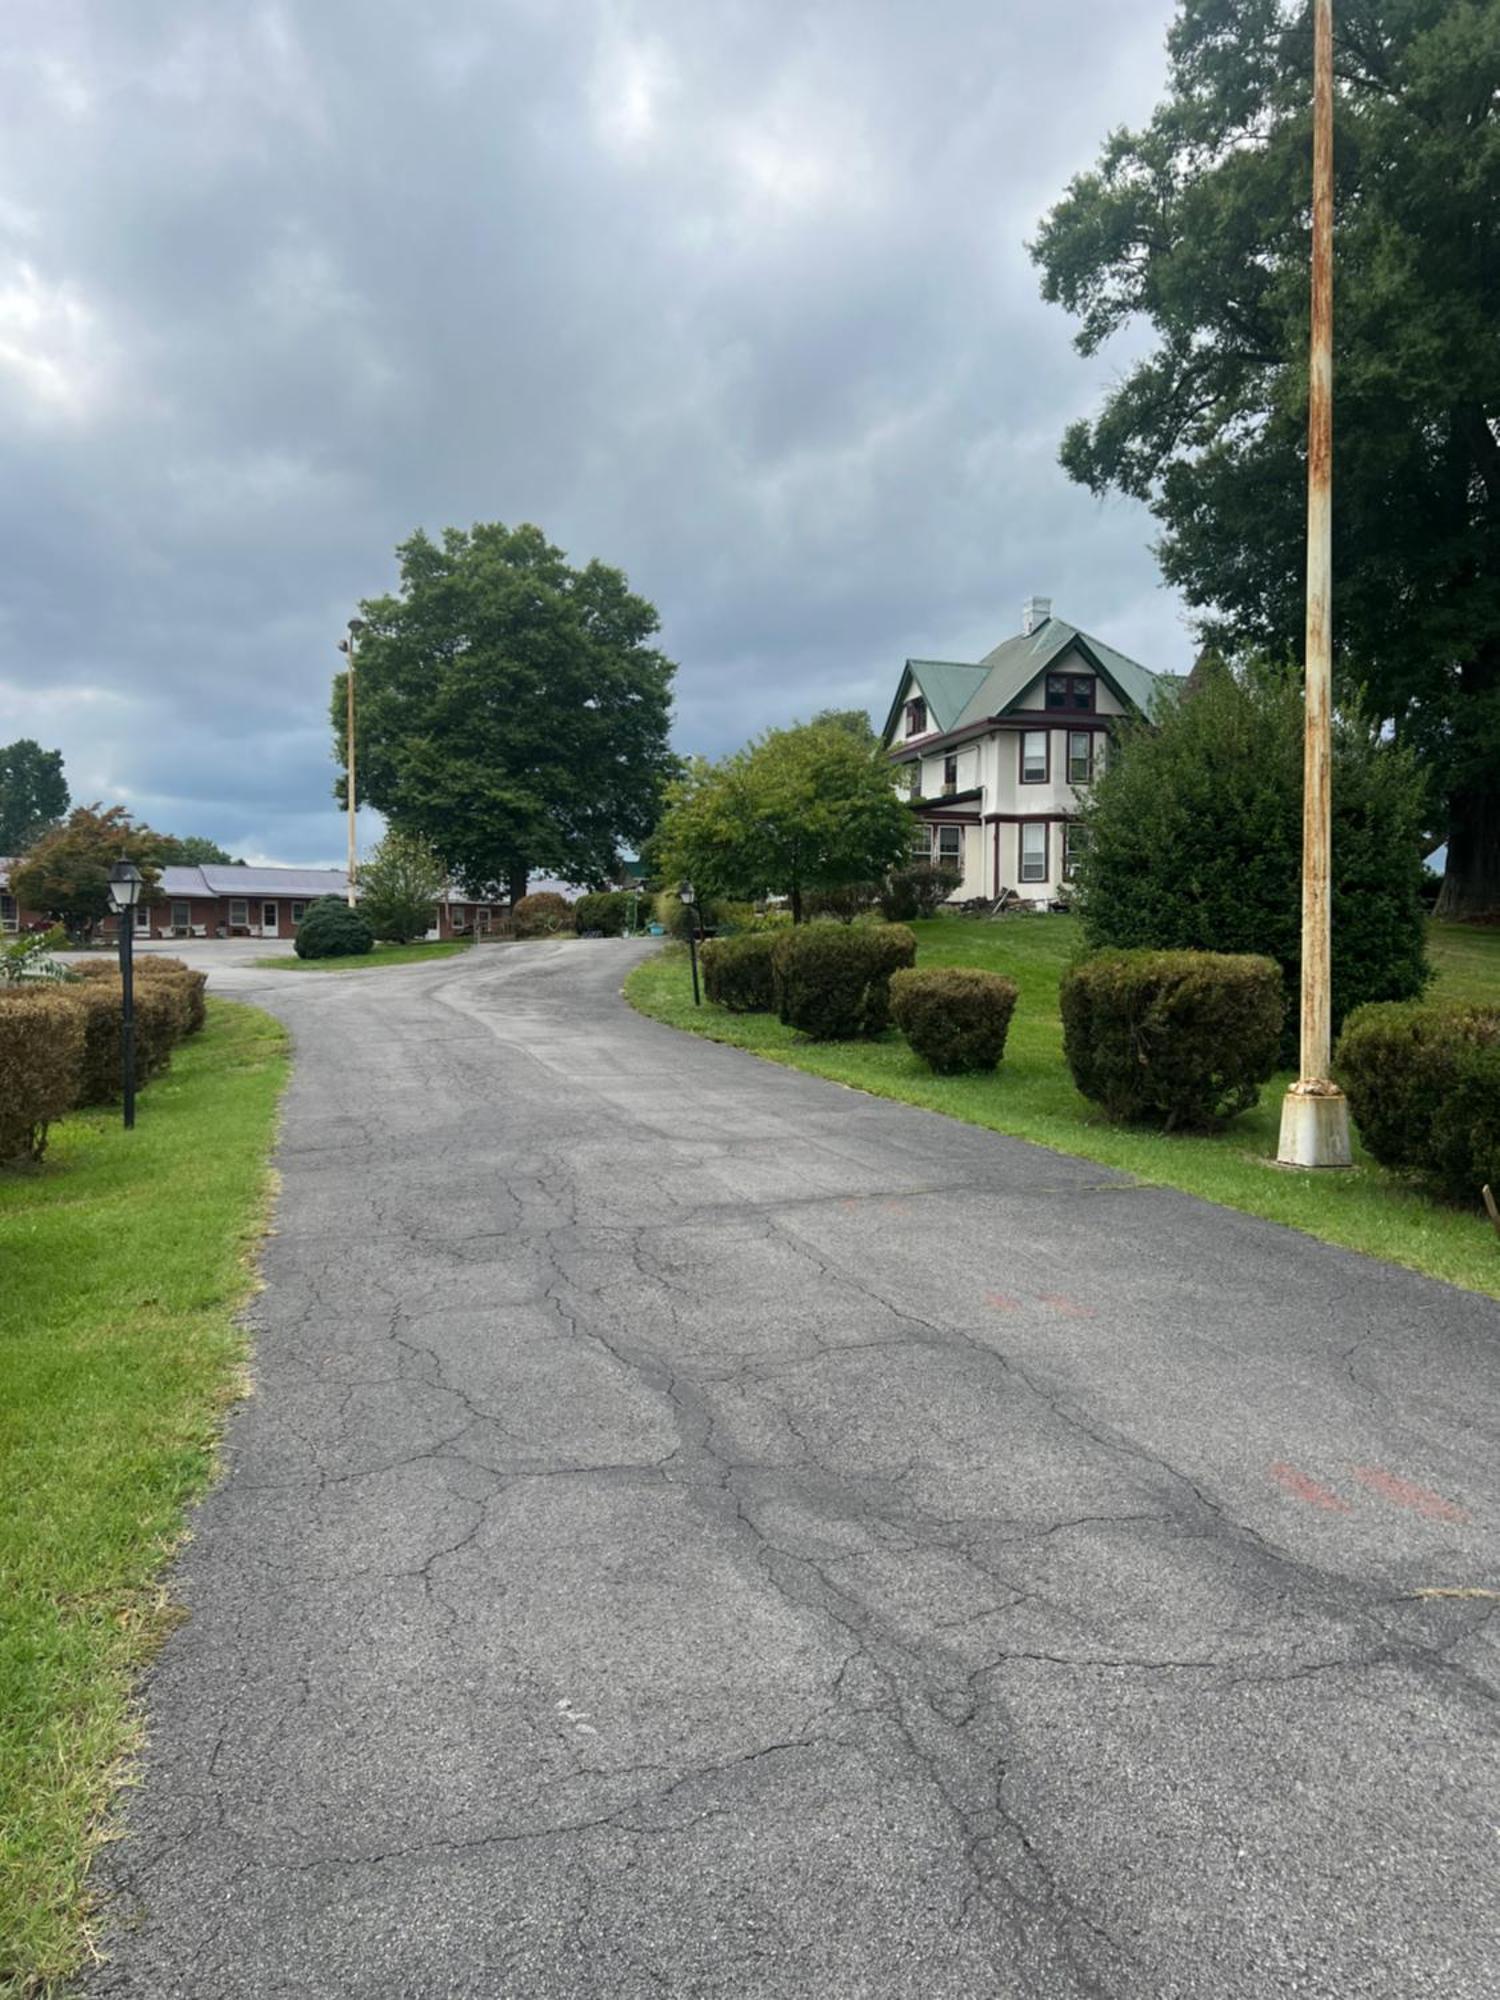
(235, 900)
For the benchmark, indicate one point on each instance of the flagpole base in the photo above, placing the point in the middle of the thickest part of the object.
(1314, 1127)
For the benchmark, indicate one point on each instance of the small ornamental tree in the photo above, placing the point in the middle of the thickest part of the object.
(66, 874)
(1194, 840)
(400, 886)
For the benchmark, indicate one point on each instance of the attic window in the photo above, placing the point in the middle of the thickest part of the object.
(916, 716)
(1070, 691)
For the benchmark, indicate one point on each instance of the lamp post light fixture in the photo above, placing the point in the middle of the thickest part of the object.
(125, 885)
(689, 897)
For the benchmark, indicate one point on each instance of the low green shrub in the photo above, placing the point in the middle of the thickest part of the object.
(546, 914)
(1176, 1038)
(1423, 1083)
(917, 891)
(832, 981)
(675, 916)
(331, 929)
(956, 1017)
(845, 903)
(606, 911)
(41, 1063)
(737, 972)
(160, 1011)
(172, 972)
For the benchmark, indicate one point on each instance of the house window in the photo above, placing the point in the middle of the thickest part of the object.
(182, 916)
(921, 841)
(1070, 691)
(299, 911)
(916, 716)
(1075, 838)
(950, 772)
(1034, 757)
(143, 918)
(239, 913)
(10, 916)
(950, 848)
(1034, 850)
(1080, 756)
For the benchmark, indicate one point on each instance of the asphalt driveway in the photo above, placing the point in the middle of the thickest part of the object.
(702, 1531)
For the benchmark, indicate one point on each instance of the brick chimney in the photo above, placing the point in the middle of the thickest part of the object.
(1036, 611)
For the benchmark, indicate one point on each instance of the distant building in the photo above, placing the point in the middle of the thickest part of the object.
(997, 754)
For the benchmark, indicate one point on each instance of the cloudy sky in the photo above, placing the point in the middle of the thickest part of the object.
(730, 292)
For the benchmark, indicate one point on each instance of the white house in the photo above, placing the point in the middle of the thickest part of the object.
(996, 754)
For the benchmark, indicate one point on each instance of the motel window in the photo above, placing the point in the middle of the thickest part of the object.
(950, 771)
(1070, 691)
(916, 716)
(239, 911)
(1034, 757)
(143, 917)
(182, 916)
(1074, 839)
(950, 847)
(299, 911)
(1080, 756)
(10, 916)
(1034, 851)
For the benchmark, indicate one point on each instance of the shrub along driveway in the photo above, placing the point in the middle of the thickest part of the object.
(700, 1530)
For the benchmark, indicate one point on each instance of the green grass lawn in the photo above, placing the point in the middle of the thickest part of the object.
(126, 1258)
(383, 954)
(1032, 1097)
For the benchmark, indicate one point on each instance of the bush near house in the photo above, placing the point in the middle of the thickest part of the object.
(910, 893)
(833, 980)
(331, 929)
(606, 911)
(737, 972)
(1423, 1084)
(41, 1061)
(170, 972)
(844, 903)
(546, 914)
(956, 1017)
(1176, 1038)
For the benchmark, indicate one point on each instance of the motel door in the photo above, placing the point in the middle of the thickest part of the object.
(268, 919)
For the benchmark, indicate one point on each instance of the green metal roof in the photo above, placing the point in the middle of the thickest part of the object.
(946, 687)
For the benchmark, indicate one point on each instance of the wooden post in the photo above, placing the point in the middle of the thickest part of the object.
(1314, 1115)
(347, 648)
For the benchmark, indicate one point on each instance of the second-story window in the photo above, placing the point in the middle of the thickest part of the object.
(1034, 757)
(1070, 691)
(916, 716)
(950, 772)
(1080, 756)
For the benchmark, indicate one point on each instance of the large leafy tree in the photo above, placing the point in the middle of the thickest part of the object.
(190, 850)
(1198, 227)
(33, 793)
(511, 708)
(66, 874)
(807, 808)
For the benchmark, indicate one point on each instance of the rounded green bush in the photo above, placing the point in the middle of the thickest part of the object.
(606, 911)
(956, 1017)
(546, 914)
(1423, 1083)
(737, 972)
(833, 980)
(1177, 1038)
(331, 929)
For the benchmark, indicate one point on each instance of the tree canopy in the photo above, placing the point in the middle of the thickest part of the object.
(66, 873)
(1198, 226)
(510, 708)
(189, 851)
(806, 808)
(33, 793)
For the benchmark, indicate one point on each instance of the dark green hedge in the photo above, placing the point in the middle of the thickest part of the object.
(955, 1016)
(1177, 1038)
(917, 891)
(605, 910)
(332, 930)
(1423, 1084)
(737, 972)
(833, 980)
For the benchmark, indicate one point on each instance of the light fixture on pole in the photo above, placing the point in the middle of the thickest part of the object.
(125, 885)
(347, 647)
(689, 897)
(1314, 1113)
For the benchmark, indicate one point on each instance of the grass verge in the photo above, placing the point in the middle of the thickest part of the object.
(383, 954)
(1031, 1096)
(126, 1260)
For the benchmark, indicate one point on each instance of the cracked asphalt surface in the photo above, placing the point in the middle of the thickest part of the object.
(702, 1531)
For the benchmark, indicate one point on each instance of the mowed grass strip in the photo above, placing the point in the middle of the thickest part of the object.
(1031, 1096)
(383, 954)
(125, 1258)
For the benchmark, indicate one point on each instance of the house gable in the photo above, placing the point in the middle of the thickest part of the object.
(945, 686)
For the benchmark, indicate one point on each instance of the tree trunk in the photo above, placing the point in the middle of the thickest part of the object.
(796, 906)
(518, 878)
(1471, 885)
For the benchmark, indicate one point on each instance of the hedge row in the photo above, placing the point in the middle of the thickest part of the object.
(1423, 1083)
(61, 1043)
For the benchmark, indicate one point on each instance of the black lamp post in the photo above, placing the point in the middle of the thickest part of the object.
(125, 885)
(689, 897)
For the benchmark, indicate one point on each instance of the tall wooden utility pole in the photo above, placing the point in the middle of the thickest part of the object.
(1314, 1115)
(346, 647)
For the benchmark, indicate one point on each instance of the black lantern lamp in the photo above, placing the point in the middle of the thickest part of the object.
(125, 885)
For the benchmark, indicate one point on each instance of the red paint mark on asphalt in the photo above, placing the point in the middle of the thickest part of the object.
(1060, 1302)
(1302, 1488)
(896, 1207)
(1002, 1304)
(1402, 1493)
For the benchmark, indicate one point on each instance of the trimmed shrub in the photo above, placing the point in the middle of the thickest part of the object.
(160, 1023)
(909, 893)
(1177, 1038)
(169, 971)
(606, 911)
(737, 972)
(1423, 1084)
(41, 1061)
(546, 914)
(955, 1017)
(833, 980)
(331, 929)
